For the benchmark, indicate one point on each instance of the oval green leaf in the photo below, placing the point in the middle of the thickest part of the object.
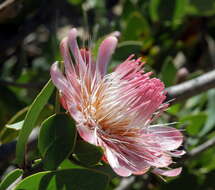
(30, 120)
(10, 178)
(88, 154)
(77, 179)
(56, 140)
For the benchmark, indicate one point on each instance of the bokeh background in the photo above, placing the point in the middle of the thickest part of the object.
(175, 37)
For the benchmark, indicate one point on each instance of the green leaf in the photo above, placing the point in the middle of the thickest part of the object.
(201, 7)
(210, 123)
(167, 10)
(72, 179)
(12, 128)
(205, 161)
(56, 140)
(8, 134)
(194, 123)
(88, 154)
(142, 28)
(10, 178)
(30, 120)
(16, 126)
(174, 109)
(67, 164)
(75, 2)
(105, 168)
(168, 72)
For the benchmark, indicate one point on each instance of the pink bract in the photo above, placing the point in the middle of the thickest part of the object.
(115, 110)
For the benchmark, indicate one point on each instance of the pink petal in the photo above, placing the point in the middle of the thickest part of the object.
(167, 138)
(112, 159)
(88, 59)
(114, 163)
(142, 171)
(75, 50)
(121, 171)
(168, 173)
(86, 134)
(106, 50)
(177, 153)
(59, 80)
(161, 161)
(69, 68)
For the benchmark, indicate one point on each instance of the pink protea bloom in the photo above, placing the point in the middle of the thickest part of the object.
(115, 110)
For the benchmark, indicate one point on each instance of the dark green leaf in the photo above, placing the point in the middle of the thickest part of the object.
(194, 123)
(201, 7)
(74, 179)
(75, 2)
(167, 10)
(10, 178)
(56, 140)
(67, 164)
(87, 153)
(210, 123)
(139, 23)
(168, 72)
(30, 120)
(106, 169)
(9, 134)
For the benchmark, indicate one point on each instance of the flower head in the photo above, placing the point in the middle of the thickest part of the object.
(116, 110)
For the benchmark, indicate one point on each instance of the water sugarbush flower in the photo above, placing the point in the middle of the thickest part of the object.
(116, 110)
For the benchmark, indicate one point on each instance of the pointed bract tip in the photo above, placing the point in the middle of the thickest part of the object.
(111, 42)
(116, 34)
(73, 33)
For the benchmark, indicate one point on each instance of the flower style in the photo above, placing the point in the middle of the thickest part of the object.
(115, 110)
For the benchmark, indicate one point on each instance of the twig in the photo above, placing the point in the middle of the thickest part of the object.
(201, 148)
(191, 88)
(126, 183)
(6, 4)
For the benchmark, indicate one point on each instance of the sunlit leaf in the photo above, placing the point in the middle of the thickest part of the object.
(68, 164)
(30, 120)
(10, 178)
(77, 179)
(16, 126)
(9, 134)
(194, 123)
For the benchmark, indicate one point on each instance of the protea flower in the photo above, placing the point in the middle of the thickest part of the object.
(115, 110)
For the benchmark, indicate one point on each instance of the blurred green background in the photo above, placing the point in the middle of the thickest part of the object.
(175, 37)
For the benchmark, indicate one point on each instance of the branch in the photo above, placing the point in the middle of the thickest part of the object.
(126, 183)
(201, 148)
(191, 88)
(6, 4)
